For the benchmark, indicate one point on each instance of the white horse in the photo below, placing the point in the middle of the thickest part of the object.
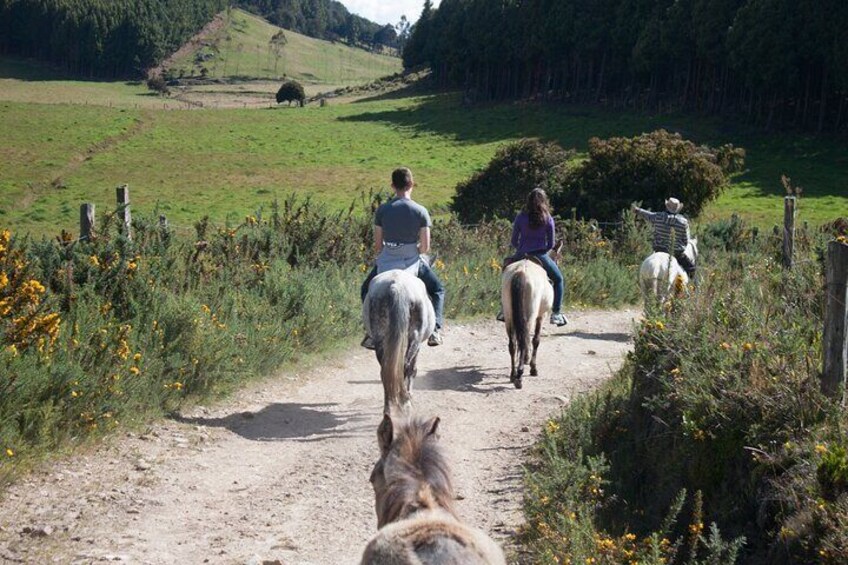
(398, 316)
(660, 270)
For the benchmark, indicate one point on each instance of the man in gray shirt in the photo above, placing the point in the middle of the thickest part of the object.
(671, 232)
(401, 237)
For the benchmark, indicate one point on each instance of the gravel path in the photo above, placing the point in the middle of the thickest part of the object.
(279, 473)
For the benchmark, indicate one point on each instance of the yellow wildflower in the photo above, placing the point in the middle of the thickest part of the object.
(94, 261)
(137, 357)
(10, 452)
(724, 345)
(821, 449)
(134, 370)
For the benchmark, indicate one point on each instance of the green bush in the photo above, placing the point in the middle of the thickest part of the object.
(720, 396)
(647, 168)
(500, 190)
(291, 91)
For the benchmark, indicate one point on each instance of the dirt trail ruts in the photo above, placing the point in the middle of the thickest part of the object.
(280, 471)
(139, 125)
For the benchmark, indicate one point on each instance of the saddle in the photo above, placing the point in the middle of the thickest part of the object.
(516, 258)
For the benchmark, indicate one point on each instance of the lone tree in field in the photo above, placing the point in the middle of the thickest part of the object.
(291, 91)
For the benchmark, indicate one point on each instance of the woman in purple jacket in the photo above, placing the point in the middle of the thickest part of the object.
(533, 234)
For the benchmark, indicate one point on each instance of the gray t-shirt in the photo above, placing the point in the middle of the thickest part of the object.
(402, 220)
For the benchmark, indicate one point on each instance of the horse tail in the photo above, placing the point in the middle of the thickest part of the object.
(519, 316)
(391, 350)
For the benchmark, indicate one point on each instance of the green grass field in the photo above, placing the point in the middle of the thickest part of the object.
(230, 162)
(242, 48)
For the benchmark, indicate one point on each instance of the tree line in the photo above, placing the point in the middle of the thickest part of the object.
(776, 62)
(108, 38)
(324, 19)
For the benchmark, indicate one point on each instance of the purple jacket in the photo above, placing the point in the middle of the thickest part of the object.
(526, 239)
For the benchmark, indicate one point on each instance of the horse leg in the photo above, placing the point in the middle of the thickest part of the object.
(511, 358)
(534, 372)
(410, 366)
(514, 373)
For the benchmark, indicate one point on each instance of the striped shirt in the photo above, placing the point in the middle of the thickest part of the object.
(668, 229)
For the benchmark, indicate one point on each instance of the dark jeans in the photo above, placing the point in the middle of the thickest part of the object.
(687, 265)
(435, 289)
(556, 277)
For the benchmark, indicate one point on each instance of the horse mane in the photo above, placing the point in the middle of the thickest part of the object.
(417, 475)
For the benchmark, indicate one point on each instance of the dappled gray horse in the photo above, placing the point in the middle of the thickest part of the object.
(398, 316)
(413, 498)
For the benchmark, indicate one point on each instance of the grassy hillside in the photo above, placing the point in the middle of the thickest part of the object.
(241, 48)
(230, 162)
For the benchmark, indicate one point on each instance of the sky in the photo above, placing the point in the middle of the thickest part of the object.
(386, 11)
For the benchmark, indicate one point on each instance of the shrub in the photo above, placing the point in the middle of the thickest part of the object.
(647, 168)
(720, 396)
(158, 84)
(499, 190)
(291, 91)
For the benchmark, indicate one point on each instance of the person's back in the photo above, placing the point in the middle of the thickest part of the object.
(401, 237)
(671, 232)
(401, 220)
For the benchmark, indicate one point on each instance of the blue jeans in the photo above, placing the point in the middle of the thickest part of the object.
(435, 289)
(555, 275)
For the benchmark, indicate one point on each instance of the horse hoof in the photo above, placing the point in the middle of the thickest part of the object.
(534, 372)
(517, 382)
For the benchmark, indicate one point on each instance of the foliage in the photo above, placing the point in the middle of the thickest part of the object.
(720, 397)
(158, 84)
(648, 168)
(291, 91)
(499, 190)
(323, 19)
(109, 38)
(768, 60)
(109, 332)
(618, 170)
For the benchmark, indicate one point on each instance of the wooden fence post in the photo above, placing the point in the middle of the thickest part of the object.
(835, 339)
(788, 231)
(123, 197)
(86, 221)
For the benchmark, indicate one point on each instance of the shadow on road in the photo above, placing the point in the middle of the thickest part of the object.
(286, 421)
(611, 336)
(459, 379)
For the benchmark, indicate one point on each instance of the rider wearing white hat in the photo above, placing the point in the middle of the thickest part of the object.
(671, 232)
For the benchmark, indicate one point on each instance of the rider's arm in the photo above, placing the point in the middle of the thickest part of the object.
(378, 239)
(516, 234)
(424, 240)
(549, 234)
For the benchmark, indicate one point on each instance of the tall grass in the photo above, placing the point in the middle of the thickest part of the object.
(720, 399)
(109, 332)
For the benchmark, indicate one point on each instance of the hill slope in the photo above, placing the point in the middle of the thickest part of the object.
(240, 46)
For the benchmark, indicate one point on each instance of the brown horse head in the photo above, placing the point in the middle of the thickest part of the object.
(411, 474)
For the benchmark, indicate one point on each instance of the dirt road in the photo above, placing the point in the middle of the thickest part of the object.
(279, 473)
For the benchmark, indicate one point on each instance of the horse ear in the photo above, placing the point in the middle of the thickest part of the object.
(433, 426)
(385, 433)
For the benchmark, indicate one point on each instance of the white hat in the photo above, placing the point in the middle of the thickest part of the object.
(673, 205)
